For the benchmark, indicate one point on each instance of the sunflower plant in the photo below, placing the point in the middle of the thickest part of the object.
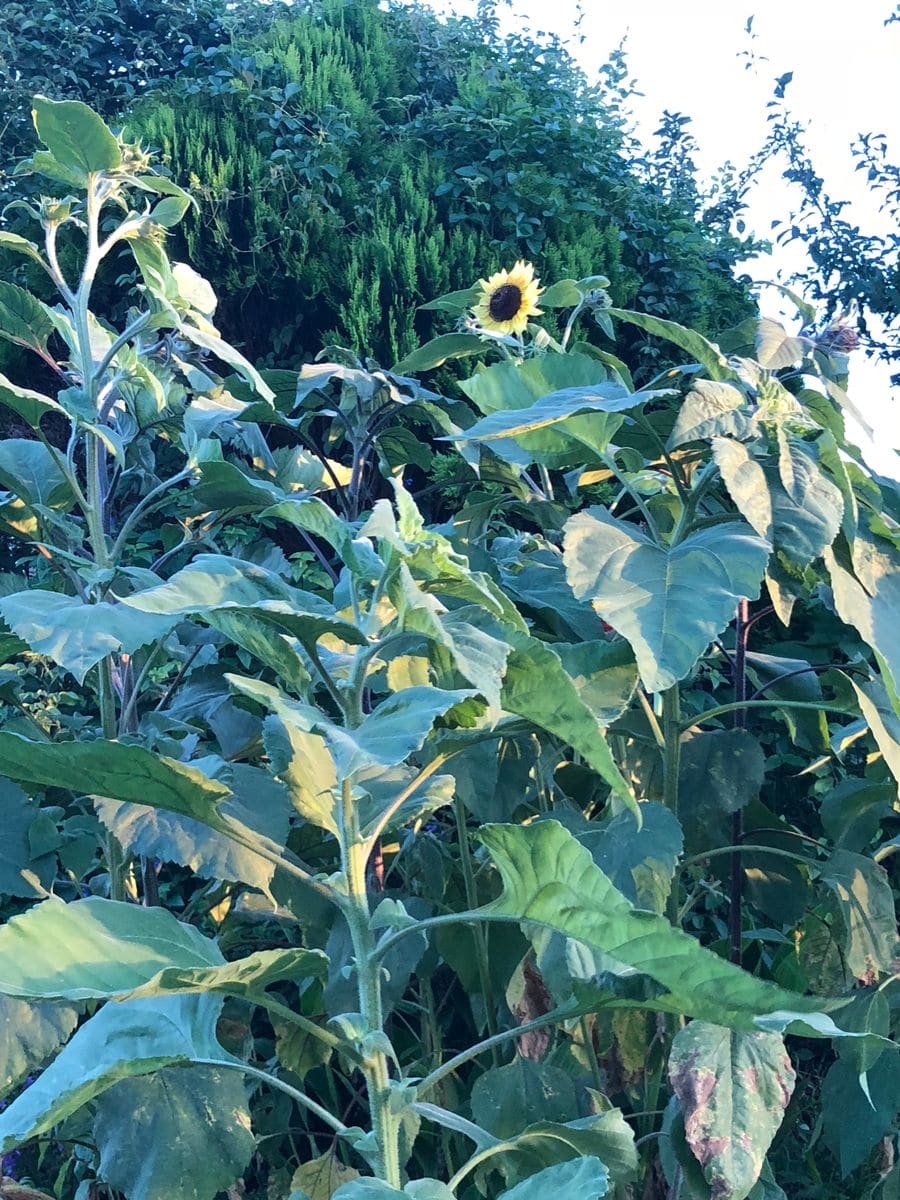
(401, 876)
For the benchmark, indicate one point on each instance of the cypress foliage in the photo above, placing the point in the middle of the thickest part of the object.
(351, 163)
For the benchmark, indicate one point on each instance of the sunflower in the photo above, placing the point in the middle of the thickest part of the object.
(508, 299)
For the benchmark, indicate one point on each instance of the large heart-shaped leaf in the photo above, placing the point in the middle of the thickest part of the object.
(869, 598)
(30, 1033)
(669, 603)
(75, 136)
(579, 1179)
(77, 635)
(551, 880)
(712, 409)
(95, 948)
(215, 582)
(178, 1134)
(119, 1042)
(733, 1089)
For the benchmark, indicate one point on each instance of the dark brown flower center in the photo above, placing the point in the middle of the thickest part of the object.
(505, 302)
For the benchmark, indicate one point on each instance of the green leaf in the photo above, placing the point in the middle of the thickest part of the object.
(76, 635)
(453, 302)
(599, 402)
(722, 771)
(509, 387)
(712, 410)
(578, 1179)
(115, 770)
(807, 508)
(439, 350)
(387, 735)
(136, 1037)
(23, 319)
(19, 813)
(179, 1134)
(865, 903)
(733, 1089)
(565, 293)
(746, 483)
(303, 762)
(27, 404)
(257, 803)
(869, 599)
(551, 880)
(75, 136)
(28, 469)
(319, 1178)
(604, 673)
(668, 603)
(507, 1099)
(94, 948)
(214, 582)
(29, 1034)
(705, 352)
(855, 1120)
(640, 862)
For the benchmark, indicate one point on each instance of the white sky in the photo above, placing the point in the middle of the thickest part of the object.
(686, 56)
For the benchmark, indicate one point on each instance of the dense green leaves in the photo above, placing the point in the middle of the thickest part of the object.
(649, 594)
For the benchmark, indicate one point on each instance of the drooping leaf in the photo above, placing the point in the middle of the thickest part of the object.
(579, 1179)
(865, 901)
(869, 599)
(705, 352)
(712, 410)
(119, 1042)
(746, 483)
(807, 511)
(27, 404)
(95, 948)
(604, 673)
(537, 688)
(733, 1089)
(446, 348)
(669, 604)
(30, 1033)
(883, 721)
(549, 879)
(775, 348)
(77, 635)
(115, 770)
(214, 582)
(273, 649)
(303, 762)
(178, 1134)
(75, 136)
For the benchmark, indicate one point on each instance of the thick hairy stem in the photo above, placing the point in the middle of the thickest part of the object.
(385, 1125)
(736, 880)
(671, 726)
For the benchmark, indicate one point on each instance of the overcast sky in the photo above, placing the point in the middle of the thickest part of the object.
(687, 57)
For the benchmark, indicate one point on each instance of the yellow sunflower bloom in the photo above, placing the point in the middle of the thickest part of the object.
(508, 299)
